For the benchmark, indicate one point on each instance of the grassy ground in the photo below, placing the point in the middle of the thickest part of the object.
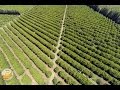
(13, 81)
(26, 80)
(6, 18)
(20, 8)
(1, 81)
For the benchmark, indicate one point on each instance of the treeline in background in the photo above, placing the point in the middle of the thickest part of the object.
(114, 15)
(9, 12)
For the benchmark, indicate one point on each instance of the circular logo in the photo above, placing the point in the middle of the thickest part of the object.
(7, 74)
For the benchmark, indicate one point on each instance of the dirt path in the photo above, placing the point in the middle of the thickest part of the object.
(57, 47)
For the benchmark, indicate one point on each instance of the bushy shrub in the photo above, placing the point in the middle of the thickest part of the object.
(55, 81)
(56, 69)
(59, 83)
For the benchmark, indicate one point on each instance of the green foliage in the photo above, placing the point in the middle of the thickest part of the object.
(37, 76)
(59, 83)
(16, 65)
(67, 79)
(32, 39)
(55, 81)
(13, 81)
(31, 46)
(89, 46)
(26, 80)
(56, 69)
(6, 18)
(72, 71)
(29, 53)
(99, 81)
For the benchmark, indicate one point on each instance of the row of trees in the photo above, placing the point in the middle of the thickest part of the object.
(97, 70)
(9, 12)
(52, 23)
(14, 62)
(45, 37)
(40, 29)
(75, 64)
(67, 79)
(31, 46)
(47, 27)
(29, 53)
(105, 49)
(82, 51)
(80, 41)
(32, 39)
(87, 57)
(98, 39)
(34, 35)
(95, 61)
(73, 72)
